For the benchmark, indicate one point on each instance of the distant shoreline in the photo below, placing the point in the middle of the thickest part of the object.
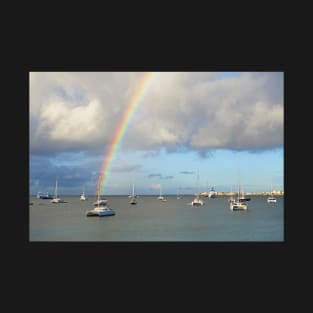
(219, 194)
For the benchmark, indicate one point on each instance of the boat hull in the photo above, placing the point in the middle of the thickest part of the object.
(197, 203)
(271, 200)
(238, 206)
(44, 197)
(105, 211)
(101, 203)
(57, 200)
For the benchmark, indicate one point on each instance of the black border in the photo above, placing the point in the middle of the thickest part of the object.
(261, 256)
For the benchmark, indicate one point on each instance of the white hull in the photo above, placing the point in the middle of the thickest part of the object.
(57, 200)
(133, 197)
(100, 202)
(161, 198)
(100, 211)
(83, 197)
(236, 205)
(212, 193)
(133, 201)
(197, 202)
(271, 200)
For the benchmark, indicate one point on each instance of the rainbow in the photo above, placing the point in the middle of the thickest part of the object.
(119, 134)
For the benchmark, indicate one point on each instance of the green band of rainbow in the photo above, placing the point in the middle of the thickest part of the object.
(118, 136)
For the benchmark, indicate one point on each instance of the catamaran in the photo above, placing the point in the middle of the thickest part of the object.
(238, 203)
(101, 209)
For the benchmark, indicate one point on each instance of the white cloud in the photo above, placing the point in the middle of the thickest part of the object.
(202, 111)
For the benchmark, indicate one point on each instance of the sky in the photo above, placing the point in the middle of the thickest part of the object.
(187, 132)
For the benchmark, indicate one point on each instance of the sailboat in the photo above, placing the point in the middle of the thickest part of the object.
(133, 197)
(238, 203)
(271, 198)
(56, 199)
(231, 198)
(178, 194)
(83, 197)
(101, 209)
(160, 197)
(197, 201)
(100, 202)
(242, 197)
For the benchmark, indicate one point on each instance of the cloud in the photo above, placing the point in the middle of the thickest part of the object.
(154, 175)
(199, 111)
(72, 178)
(187, 172)
(240, 113)
(181, 111)
(122, 167)
(168, 177)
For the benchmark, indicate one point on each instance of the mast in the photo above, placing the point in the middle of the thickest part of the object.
(98, 195)
(56, 187)
(238, 178)
(198, 190)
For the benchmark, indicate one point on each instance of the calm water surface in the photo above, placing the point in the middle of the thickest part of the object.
(152, 220)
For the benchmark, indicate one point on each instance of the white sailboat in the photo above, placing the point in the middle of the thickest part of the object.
(101, 209)
(271, 198)
(178, 194)
(238, 203)
(197, 201)
(160, 197)
(83, 197)
(56, 199)
(133, 198)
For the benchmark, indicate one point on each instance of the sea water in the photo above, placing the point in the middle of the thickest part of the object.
(153, 220)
